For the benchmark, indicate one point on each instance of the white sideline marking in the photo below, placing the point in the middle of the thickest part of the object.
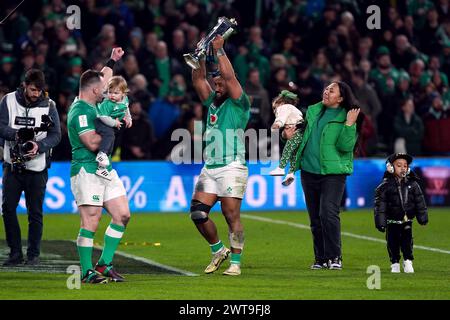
(150, 262)
(357, 236)
(154, 263)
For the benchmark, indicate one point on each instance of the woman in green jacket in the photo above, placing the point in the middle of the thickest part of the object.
(325, 158)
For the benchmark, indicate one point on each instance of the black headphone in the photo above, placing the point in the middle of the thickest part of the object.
(390, 168)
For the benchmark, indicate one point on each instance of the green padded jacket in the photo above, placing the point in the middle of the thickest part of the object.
(336, 144)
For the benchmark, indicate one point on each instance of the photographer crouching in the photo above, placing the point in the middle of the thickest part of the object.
(29, 126)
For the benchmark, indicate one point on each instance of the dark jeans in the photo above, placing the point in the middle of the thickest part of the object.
(323, 195)
(108, 135)
(34, 184)
(399, 236)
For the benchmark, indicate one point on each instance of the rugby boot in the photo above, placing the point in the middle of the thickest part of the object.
(217, 260)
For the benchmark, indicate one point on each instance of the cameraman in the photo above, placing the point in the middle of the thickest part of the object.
(29, 126)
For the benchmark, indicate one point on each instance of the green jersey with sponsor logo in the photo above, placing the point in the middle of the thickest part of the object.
(80, 120)
(225, 128)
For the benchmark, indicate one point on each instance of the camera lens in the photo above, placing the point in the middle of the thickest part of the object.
(27, 147)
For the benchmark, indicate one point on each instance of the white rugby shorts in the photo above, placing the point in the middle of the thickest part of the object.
(90, 189)
(228, 181)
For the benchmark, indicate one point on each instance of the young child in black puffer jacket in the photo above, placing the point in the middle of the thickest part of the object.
(398, 200)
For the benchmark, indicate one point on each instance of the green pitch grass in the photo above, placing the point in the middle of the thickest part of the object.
(275, 263)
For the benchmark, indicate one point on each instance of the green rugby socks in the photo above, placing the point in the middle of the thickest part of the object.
(235, 258)
(85, 243)
(113, 235)
(216, 247)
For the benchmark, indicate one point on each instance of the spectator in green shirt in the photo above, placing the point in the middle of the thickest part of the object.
(249, 58)
(385, 79)
(385, 76)
(433, 74)
(418, 9)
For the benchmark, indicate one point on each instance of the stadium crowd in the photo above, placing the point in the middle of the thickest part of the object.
(399, 73)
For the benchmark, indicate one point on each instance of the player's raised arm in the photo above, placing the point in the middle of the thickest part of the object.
(226, 69)
(107, 70)
(199, 81)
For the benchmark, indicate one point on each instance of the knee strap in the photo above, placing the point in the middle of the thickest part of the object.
(199, 212)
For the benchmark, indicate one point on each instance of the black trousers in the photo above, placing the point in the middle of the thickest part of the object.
(33, 184)
(108, 135)
(399, 237)
(323, 195)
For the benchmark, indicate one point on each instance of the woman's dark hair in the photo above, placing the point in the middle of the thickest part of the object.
(350, 102)
(348, 98)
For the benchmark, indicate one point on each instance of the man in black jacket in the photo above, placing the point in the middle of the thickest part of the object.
(398, 199)
(29, 129)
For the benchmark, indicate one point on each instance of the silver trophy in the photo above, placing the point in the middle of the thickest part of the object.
(224, 27)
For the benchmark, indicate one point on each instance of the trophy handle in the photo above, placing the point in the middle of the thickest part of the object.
(225, 26)
(227, 33)
(192, 61)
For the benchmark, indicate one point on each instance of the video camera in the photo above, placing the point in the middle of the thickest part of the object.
(24, 145)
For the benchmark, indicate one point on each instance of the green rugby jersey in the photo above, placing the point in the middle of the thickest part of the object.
(381, 80)
(113, 109)
(230, 118)
(80, 120)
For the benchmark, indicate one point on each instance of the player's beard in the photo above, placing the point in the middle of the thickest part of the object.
(99, 98)
(219, 100)
(30, 99)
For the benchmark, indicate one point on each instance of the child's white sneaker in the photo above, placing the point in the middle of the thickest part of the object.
(408, 266)
(395, 267)
(277, 172)
(102, 159)
(290, 177)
